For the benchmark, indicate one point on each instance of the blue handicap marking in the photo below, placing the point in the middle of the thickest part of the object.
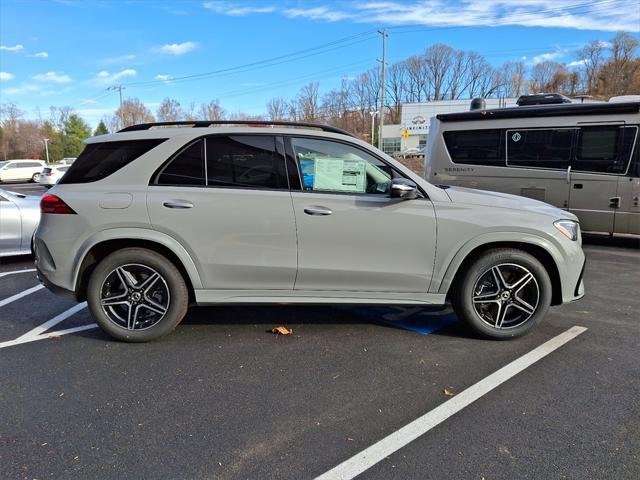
(417, 319)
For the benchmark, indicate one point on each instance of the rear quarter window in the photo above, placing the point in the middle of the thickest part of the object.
(476, 147)
(99, 160)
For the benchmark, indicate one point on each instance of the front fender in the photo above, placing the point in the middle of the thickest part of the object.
(138, 234)
(443, 279)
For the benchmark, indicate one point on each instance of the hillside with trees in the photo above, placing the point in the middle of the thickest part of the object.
(600, 70)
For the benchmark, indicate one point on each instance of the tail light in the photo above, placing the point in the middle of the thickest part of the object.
(53, 204)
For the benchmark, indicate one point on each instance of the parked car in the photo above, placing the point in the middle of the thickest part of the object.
(21, 170)
(413, 152)
(67, 161)
(581, 157)
(51, 175)
(150, 220)
(19, 217)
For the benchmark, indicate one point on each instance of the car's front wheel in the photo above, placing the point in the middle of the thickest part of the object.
(35, 177)
(503, 294)
(137, 295)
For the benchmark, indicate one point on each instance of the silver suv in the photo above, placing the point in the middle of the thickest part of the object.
(150, 220)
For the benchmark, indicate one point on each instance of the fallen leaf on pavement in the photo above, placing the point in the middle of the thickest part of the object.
(282, 330)
(449, 391)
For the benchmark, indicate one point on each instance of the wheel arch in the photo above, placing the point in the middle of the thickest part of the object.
(100, 248)
(536, 249)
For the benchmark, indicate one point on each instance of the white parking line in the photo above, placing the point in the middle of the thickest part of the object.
(38, 333)
(18, 296)
(378, 451)
(4, 274)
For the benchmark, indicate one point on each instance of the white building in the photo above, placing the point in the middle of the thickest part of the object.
(416, 117)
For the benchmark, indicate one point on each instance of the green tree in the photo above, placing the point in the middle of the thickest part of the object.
(56, 148)
(75, 132)
(101, 129)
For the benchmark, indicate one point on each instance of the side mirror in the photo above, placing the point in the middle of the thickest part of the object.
(403, 188)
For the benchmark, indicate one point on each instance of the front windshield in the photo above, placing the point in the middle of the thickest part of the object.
(2, 164)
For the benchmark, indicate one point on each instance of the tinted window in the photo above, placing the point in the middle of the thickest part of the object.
(475, 147)
(327, 166)
(543, 148)
(604, 149)
(249, 161)
(2, 164)
(99, 160)
(187, 168)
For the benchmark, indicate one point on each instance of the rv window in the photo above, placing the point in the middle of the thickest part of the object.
(604, 149)
(540, 148)
(475, 147)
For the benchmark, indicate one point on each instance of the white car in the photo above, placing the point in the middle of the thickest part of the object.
(150, 220)
(21, 170)
(51, 175)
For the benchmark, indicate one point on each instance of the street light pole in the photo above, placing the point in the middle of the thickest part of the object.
(46, 148)
(373, 114)
(383, 87)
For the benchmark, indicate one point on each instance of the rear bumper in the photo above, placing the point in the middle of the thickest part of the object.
(58, 290)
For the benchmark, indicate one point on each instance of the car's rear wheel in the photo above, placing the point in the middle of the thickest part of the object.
(137, 295)
(503, 294)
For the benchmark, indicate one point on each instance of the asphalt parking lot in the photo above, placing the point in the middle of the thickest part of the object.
(224, 398)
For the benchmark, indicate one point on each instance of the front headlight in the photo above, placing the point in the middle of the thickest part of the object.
(569, 228)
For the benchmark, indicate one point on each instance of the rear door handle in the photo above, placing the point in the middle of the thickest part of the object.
(317, 211)
(614, 202)
(177, 204)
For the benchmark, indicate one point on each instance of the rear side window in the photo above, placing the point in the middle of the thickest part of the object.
(475, 147)
(605, 149)
(245, 161)
(540, 148)
(99, 160)
(187, 168)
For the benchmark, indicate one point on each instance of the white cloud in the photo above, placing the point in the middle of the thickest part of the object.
(119, 59)
(15, 48)
(164, 78)
(546, 57)
(577, 63)
(4, 76)
(40, 55)
(234, 9)
(104, 77)
(178, 48)
(318, 13)
(53, 77)
(573, 14)
(22, 90)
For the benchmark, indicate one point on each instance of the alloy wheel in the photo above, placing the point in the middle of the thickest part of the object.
(134, 296)
(506, 296)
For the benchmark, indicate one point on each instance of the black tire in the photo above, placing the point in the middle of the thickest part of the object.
(482, 297)
(106, 279)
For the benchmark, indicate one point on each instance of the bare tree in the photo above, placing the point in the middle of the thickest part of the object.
(169, 111)
(131, 112)
(277, 108)
(592, 57)
(438, 60)
(211, 111)
(307, 102)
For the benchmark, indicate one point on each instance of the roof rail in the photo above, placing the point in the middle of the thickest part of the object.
(208, 123)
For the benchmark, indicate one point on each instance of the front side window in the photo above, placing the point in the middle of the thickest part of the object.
(328, 166)
(187, 168)
(475, 147)
(245, 161)
(539, 148)
(99, 160)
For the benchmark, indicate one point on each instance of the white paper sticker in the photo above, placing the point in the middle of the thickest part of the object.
(334, 174)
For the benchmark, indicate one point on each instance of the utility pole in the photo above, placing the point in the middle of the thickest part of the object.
(119, 88)
(382, 85)
(46, 147)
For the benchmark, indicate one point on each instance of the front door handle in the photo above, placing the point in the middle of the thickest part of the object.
(569, 174)
(614, 202)
(317, 211)
(177, 204)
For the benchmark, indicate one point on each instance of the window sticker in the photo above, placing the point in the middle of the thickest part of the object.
(334, 174)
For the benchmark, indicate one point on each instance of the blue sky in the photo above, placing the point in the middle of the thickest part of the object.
(68, 52)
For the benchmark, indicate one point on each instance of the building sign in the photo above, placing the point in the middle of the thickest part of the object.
(415, 125)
